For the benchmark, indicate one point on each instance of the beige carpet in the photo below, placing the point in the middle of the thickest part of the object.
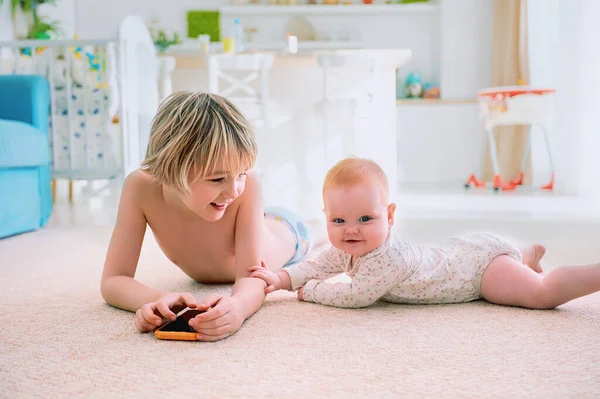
(59, 339)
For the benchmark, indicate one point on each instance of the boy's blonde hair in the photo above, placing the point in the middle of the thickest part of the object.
(191, 133)
(352, 171)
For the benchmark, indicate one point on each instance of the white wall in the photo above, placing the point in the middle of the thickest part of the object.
(565, 56)
(443, 143)
(466, 47)
(542, 41)
(438, 143)
(6, 27)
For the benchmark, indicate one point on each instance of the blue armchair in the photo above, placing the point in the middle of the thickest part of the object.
(25, 194)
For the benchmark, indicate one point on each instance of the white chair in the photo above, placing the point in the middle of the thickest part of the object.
(348, 78)
(236, 77)
(244, 80)
(166, 66)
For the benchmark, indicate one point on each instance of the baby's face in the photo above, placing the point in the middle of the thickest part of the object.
(358, 219)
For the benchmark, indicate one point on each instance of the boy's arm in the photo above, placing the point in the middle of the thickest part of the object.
(249, 233)
(371, 282)
(118, 286)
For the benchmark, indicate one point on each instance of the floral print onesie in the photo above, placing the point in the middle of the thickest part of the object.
(400, 272)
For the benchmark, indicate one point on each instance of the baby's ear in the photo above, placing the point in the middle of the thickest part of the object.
(390, 214)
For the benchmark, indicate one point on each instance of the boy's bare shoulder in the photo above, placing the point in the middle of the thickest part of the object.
(253, 189)
(253, 180)
(142, 184)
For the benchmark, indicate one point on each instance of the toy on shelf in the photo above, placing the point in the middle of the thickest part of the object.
(413, 86)
(514, 105)
(431, 91)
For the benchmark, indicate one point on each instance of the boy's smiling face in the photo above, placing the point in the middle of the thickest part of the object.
(210, 195)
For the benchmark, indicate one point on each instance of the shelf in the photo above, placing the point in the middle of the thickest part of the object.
(351, 9)
(308, 45)
(192, 46)
(434, 101)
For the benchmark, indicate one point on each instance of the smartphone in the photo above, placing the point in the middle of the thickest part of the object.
(179, 329)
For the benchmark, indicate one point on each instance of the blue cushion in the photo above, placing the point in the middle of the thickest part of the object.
(20, 210)
(22, 145)
(25, 98)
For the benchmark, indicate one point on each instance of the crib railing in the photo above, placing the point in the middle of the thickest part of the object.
(85, 129)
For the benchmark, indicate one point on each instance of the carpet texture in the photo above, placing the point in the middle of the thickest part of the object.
(59, 339)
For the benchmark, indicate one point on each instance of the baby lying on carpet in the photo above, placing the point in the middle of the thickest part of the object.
(381, 266)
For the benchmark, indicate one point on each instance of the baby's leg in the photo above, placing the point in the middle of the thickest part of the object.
(532, 254)
(508, 282)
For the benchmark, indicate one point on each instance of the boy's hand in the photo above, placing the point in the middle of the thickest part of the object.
(151, 315)
(272, 279)
(221, 319)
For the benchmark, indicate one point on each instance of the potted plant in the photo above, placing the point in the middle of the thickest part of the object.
(162, 40)
(36, 27)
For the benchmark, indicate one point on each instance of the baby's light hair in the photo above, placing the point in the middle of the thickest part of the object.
(191, 133)
(352, 171)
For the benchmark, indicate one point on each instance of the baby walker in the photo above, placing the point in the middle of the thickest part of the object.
(514, 105)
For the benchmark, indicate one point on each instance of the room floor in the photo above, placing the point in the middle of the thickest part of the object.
(60, 339)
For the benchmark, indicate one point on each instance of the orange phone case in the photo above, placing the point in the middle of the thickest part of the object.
(185, 317)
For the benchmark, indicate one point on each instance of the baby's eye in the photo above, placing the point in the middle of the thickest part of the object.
(364, 219)
(241, 175)
(338, 221)
(218, 180)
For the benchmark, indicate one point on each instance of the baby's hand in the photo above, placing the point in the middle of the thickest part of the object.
(272, 279)
(300, 293)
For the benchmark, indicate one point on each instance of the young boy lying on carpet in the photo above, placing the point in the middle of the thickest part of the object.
(196, 193)
(381, 266)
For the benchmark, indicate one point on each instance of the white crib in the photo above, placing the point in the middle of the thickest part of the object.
(104, 94)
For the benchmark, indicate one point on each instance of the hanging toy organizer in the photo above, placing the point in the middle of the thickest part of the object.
(514, 105)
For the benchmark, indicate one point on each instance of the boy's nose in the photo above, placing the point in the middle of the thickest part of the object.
(231, 191)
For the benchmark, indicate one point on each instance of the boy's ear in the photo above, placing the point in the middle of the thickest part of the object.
(390, 213)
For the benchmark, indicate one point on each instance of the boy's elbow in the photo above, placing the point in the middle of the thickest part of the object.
(105, 290)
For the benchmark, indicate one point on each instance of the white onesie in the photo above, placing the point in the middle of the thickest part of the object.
(400, 272)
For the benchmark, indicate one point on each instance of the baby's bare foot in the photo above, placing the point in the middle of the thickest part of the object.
(538, 254)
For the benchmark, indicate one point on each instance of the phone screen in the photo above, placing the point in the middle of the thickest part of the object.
(181, 323)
